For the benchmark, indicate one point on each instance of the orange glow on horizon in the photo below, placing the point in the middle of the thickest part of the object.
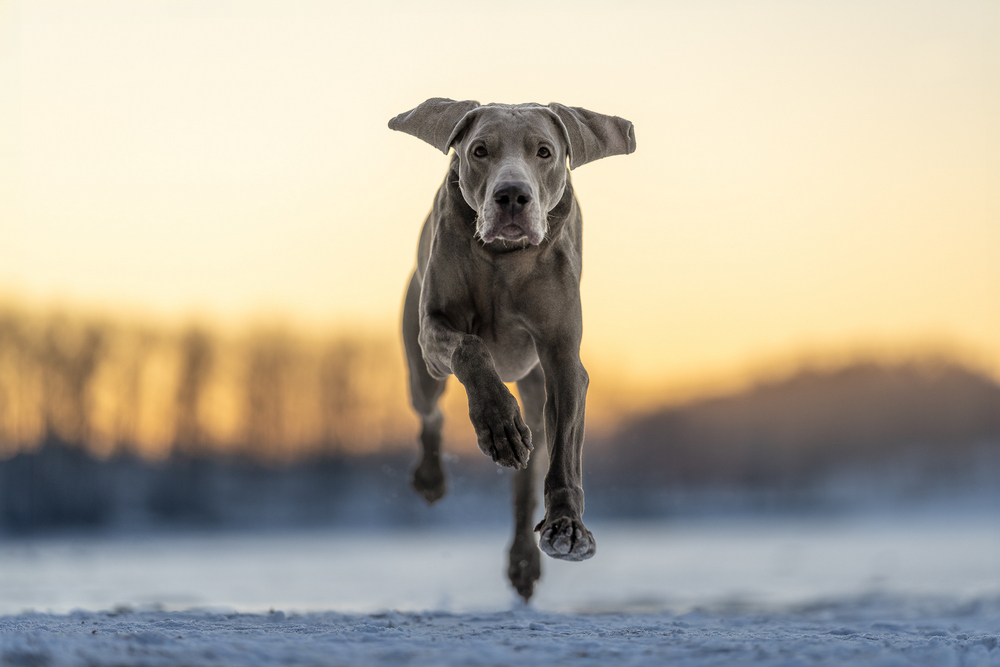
(278, 394)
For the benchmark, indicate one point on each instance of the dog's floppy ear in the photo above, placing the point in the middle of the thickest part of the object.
(592, 136)
(436, 121)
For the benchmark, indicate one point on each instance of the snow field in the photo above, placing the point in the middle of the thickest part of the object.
(860, 632)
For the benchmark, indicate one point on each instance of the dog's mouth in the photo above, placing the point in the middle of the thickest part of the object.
(512, 232)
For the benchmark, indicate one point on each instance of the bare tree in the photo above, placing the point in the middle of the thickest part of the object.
(269, 360)
(135, 352)
(69, 356)
(11, 353)
(339, 394)
(196, 360)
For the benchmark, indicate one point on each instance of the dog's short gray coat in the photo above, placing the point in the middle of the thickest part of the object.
(495, 298)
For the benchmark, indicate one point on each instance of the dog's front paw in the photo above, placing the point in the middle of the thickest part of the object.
(502, 434)
(566, 538)
(428, 479)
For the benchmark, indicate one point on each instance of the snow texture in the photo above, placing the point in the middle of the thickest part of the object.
(860, 632)
(884, 591)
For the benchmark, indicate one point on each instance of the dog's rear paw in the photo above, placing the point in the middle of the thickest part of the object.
(501, 432)
(525, 567)
(566, 539)
(428, 480)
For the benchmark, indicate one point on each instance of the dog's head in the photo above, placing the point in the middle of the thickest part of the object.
(512, 158)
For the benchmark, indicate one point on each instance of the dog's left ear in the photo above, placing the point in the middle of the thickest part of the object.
(592, 136)
(436, 121)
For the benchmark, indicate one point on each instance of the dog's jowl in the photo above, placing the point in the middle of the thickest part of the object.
(495, 298)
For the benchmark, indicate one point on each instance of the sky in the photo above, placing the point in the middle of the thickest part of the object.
(810, 177)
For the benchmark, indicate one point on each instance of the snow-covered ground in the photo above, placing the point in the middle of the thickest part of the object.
(885, 591)
(858, 633)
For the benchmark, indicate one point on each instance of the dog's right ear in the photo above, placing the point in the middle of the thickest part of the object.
(437, 121)
(593, 136)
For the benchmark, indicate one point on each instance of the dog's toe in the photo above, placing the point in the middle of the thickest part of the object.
(519, 438)
(503, 436)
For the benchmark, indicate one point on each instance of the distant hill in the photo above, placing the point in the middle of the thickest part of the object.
(795, 429)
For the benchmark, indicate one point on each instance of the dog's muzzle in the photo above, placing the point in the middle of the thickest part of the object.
(511, 218)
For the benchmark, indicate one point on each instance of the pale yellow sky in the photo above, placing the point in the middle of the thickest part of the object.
(808, 175)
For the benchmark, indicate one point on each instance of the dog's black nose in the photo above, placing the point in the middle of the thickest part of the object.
(512, 196)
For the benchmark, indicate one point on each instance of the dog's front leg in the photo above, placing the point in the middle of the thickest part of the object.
(563, 534)
(500, 431)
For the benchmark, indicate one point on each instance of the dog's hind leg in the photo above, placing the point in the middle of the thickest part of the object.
(525, 565)
(428, 475)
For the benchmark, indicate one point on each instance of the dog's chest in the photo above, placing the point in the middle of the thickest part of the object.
(513, 351)
(502, 318)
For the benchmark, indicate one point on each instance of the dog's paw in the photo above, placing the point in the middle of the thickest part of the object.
(524, 567)
(566, 538)
(501, 432)
(428, 480)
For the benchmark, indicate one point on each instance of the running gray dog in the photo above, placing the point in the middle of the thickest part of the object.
(495, 298)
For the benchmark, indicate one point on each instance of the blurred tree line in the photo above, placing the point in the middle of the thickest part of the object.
(269, 393)
(277, 395)
(86, 402)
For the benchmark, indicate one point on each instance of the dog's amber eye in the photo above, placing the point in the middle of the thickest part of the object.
(480, 151)
(544, 152)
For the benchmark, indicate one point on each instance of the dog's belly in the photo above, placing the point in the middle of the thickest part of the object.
(513, 353)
